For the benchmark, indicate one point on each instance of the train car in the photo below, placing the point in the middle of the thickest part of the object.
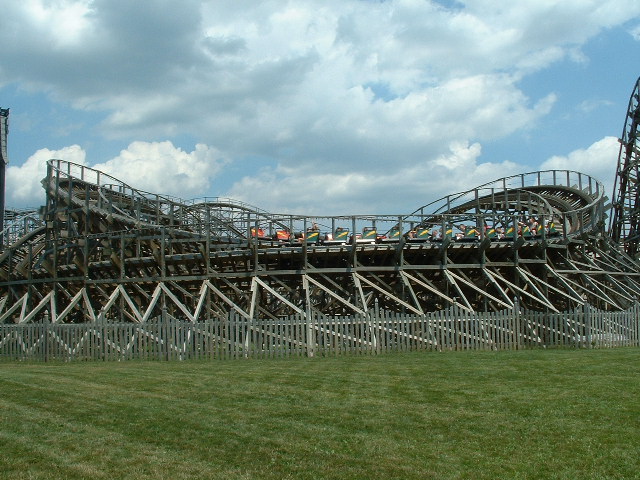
(339, 237)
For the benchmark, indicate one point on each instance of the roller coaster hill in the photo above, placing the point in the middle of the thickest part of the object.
(101, 250)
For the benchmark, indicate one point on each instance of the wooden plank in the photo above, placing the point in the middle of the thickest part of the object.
(405, 331)
(502, 339)
(386, 329)
(294, 349)
(635, 317)
(635, 320)
(225, 332)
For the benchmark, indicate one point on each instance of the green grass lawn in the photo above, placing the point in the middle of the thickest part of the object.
(514, 414)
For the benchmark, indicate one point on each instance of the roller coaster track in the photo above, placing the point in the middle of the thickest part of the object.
(103, 250)
(626, 207)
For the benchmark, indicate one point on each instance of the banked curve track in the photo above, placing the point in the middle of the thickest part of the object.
(101, 250)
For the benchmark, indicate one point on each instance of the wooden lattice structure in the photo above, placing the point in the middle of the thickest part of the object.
(101, 250)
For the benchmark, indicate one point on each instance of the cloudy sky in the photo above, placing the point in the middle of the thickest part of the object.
(319, 107)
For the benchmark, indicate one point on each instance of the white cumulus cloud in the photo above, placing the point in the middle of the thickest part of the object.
(156, 167)
(160, 167)
(341, 100)
(401, 191)
(599, 160)
(23, 182)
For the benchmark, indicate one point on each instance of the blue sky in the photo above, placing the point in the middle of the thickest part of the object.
(333, 107)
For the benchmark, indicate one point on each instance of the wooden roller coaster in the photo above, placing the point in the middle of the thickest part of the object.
(100, 249)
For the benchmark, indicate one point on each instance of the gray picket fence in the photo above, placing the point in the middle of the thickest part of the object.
(169, 338)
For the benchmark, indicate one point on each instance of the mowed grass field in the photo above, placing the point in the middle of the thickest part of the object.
(513, 414)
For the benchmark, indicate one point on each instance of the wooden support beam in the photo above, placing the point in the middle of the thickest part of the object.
(334, 295)
(388, 294)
